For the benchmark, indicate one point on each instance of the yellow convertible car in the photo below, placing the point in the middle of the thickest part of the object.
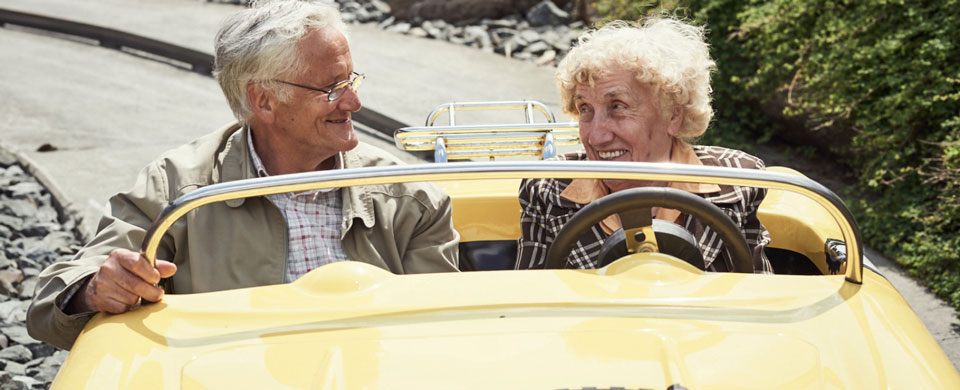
(648, 320)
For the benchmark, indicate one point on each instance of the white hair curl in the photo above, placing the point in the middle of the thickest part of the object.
(666, 53)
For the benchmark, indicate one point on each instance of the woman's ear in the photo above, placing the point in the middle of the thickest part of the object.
(676, 120)
(262, 103)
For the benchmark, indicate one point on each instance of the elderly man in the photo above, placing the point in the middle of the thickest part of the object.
(640, 93)
(286, 70)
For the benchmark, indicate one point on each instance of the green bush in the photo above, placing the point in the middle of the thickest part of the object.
(884, 74)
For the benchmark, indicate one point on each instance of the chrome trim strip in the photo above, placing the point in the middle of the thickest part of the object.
(565, 130)
(490, 106)
(515, 170)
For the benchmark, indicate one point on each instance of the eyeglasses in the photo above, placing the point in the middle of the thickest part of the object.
(337, 90)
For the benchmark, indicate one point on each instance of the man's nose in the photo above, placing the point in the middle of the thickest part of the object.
(350, 101)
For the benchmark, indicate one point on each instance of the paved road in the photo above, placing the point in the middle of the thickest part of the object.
(109, 113)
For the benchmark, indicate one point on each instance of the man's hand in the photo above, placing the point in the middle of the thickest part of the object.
(121, 281)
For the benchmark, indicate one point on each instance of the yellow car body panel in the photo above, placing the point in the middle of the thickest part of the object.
(647, 321)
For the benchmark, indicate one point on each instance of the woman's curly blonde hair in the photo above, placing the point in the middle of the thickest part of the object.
(666, 53)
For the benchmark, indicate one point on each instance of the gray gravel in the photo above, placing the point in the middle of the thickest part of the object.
(33, 234)
(543, 34)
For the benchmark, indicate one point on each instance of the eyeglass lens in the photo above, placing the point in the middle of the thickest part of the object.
(341, 88)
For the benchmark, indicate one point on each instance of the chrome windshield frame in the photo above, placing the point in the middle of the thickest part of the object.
(515, 170)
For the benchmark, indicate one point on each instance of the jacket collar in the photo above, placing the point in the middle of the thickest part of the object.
(357, 202)
(235, 163)
(234, 160)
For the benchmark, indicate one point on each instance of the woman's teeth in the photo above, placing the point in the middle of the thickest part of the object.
(611, 154)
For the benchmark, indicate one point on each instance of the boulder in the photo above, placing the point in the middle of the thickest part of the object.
(546, 13)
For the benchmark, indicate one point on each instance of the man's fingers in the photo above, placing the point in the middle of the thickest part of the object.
(136, 287)
(166, 268)
(122, 280)
(137, 265)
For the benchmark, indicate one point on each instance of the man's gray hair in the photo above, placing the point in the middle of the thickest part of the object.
(259, 44)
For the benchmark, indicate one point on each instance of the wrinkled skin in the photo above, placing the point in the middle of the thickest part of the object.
(621, 120)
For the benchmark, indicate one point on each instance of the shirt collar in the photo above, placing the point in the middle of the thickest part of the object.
(584, 191)
(262, 171)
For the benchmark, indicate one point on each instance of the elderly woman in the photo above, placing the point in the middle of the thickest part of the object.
(640, 93)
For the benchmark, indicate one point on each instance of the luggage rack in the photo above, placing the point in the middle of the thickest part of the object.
(462, 142)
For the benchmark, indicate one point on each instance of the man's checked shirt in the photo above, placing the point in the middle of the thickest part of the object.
(313, 224)
(545, 211)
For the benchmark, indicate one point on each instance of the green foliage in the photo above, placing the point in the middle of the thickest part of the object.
(886, 73)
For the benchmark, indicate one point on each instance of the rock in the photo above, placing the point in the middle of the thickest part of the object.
(386, 22)
(9, 382)
(546, 58)
(19, 207)
(381, 7)
(6, 158)
(9, 309)
(537, 48)
(39, 229)
(16, 353)
(56, 359)
(546, 14)
(434, 30)
(400, 28)
(501, 35)
(46, 373)
(478, 35)
(4, 341)
(350, 7)
(42, 349)
(417, 32)
(26, 262)
(9, 280)
(18, 334)
(34, 363)
(530, 36)
(510, 22)
(27, 381)
(38, 251)
(24, 189)
(14, 171)
(550, 37)
(27, 288)
(11, 222)
(59, 241)
(4, 261)
(14, 368)
(460, 11)
(29, 273)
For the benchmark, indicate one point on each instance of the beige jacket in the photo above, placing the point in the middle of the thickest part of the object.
(404, 228)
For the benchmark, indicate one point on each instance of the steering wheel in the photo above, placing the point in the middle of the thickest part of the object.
(634, 206)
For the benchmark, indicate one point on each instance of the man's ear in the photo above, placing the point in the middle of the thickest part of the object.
(676, 120)
(262, 103)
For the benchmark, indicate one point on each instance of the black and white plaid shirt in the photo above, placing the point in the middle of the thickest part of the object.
(544, 212)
